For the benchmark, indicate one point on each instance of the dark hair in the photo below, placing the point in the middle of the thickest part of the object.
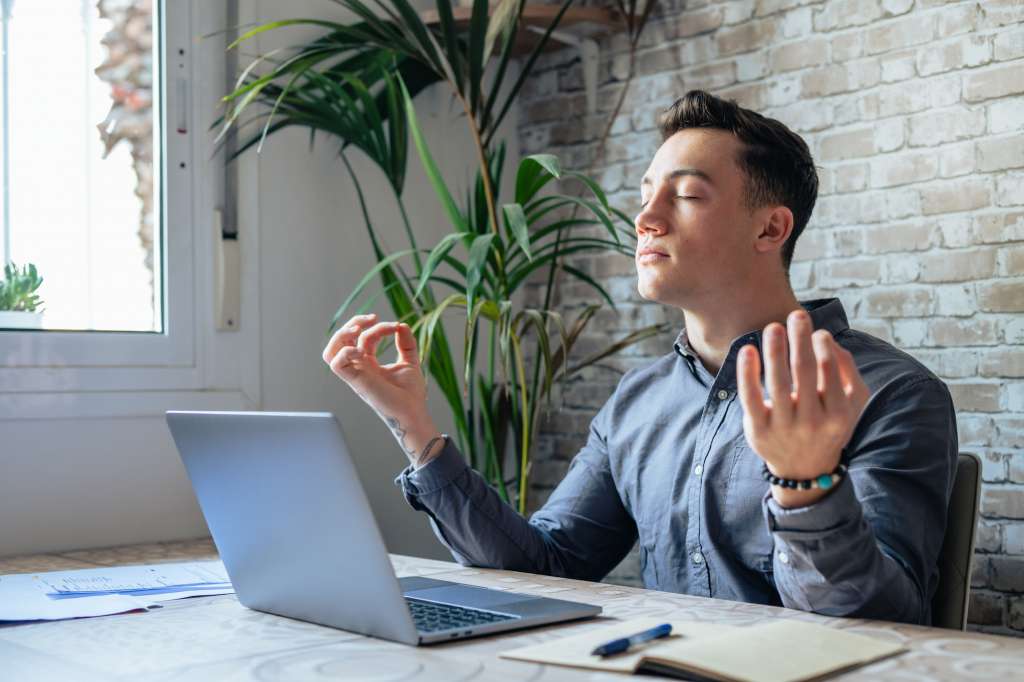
(776, 161)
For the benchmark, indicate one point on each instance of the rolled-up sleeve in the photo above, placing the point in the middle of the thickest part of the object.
(582, 531)
(870, 548)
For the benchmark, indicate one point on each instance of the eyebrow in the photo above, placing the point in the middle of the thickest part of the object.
(681, 172)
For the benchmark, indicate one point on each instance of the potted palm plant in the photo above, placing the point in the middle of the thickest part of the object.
(356, 82)
(20, 305)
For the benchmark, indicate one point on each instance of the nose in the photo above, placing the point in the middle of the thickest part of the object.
(649, 222)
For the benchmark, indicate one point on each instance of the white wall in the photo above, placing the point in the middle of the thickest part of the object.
(73, 483)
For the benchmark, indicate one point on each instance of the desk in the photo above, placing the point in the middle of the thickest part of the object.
(215, 638)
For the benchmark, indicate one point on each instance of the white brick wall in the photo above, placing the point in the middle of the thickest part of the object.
(914, 111)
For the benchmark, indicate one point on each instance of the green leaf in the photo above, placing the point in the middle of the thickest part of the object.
(437, 254)
(515, 221)
(433, 172)
(477, 262)
(385, 262)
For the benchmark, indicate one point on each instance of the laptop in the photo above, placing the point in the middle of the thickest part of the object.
(296, 534)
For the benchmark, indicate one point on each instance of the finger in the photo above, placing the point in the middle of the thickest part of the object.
(370, 337)
(776, 372)
(748, 377)
(405, 342)
(345, 363)
(801, 360)
(347, 335)
(853, 384)
(830, 386)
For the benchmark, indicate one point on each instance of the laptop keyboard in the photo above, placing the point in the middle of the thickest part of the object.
(432, 617)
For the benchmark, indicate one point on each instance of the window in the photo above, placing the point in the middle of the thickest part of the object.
(172, 356)
(81, 172)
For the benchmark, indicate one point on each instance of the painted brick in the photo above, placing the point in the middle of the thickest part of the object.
(1009, 45)
(975, 397)
(891, 170)
(1008, 572)
(1003, 502)
(1001, 296)
(954, 300)
(959, 19)
(692, 23)
(898, 66)
(997, 81)
(846, 46)
(847, 145)
(960, 332)
(1005, 116)
(746, 37)
(958, 266)
(893, 35)
(849, 273)
(899, 237)
(1011, 261)
(952, 196)
(957, 159)
(799, 55)
(851, 177)
(955, 231)
(911, 96)
(892, 8)
(849, 13)
(837, 78)
(799, 22)
(1002, 362)
(1010, 189)
(989, 537)
(1000, 227)
(902, 302)
(1001, 153)
(985, 608)
(972, 50)
(947, 125)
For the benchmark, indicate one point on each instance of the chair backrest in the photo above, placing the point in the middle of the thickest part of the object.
(949, 605)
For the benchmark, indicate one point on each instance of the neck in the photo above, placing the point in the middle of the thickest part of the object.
(713, 324)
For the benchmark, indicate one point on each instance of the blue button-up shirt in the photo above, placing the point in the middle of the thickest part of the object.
(667, 463)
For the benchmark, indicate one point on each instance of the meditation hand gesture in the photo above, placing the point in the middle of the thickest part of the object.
(398, 391)
(815, 399)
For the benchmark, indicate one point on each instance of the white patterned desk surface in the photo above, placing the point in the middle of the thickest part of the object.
(214, 638)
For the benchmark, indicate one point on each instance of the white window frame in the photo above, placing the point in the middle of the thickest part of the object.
(58, 374)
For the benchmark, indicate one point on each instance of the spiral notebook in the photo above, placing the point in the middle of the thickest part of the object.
(782, 650)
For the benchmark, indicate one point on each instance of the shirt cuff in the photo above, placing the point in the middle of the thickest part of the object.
(432, 476)
(837, 509)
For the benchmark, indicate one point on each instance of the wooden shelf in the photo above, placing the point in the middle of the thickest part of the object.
(585, 22)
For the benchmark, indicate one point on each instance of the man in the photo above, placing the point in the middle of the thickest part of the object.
(824, 489)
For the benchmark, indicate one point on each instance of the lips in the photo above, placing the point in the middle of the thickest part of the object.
(649, 254)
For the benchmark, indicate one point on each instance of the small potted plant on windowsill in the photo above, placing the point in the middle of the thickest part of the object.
(20, 305)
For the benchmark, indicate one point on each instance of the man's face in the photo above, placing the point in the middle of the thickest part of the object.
(694, 234)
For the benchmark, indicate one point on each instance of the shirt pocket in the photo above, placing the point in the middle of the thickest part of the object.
(647, 543)
(743, 515)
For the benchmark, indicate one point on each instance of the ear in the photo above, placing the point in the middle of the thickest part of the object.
(775, 227)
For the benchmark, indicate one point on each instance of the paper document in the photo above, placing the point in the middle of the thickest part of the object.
(103, 591)
(160, 578)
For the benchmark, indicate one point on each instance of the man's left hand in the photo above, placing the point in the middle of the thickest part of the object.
(815, 399)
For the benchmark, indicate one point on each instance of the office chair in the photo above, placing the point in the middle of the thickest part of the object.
(949, 605)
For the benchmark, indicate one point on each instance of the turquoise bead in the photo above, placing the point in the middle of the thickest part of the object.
(825, 481)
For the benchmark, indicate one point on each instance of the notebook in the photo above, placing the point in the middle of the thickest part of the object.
(777, 651)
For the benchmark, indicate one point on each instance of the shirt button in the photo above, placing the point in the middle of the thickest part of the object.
(783, 557)
(723, 394)
(697, 558)
(699, 469)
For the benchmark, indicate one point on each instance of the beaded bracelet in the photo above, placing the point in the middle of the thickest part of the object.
(822, 482)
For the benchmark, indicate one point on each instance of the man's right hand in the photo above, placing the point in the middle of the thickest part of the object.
(398, 391)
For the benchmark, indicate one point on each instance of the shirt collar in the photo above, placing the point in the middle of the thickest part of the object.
(826, 313)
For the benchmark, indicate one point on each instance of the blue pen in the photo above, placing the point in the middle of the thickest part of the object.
(617, 646)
